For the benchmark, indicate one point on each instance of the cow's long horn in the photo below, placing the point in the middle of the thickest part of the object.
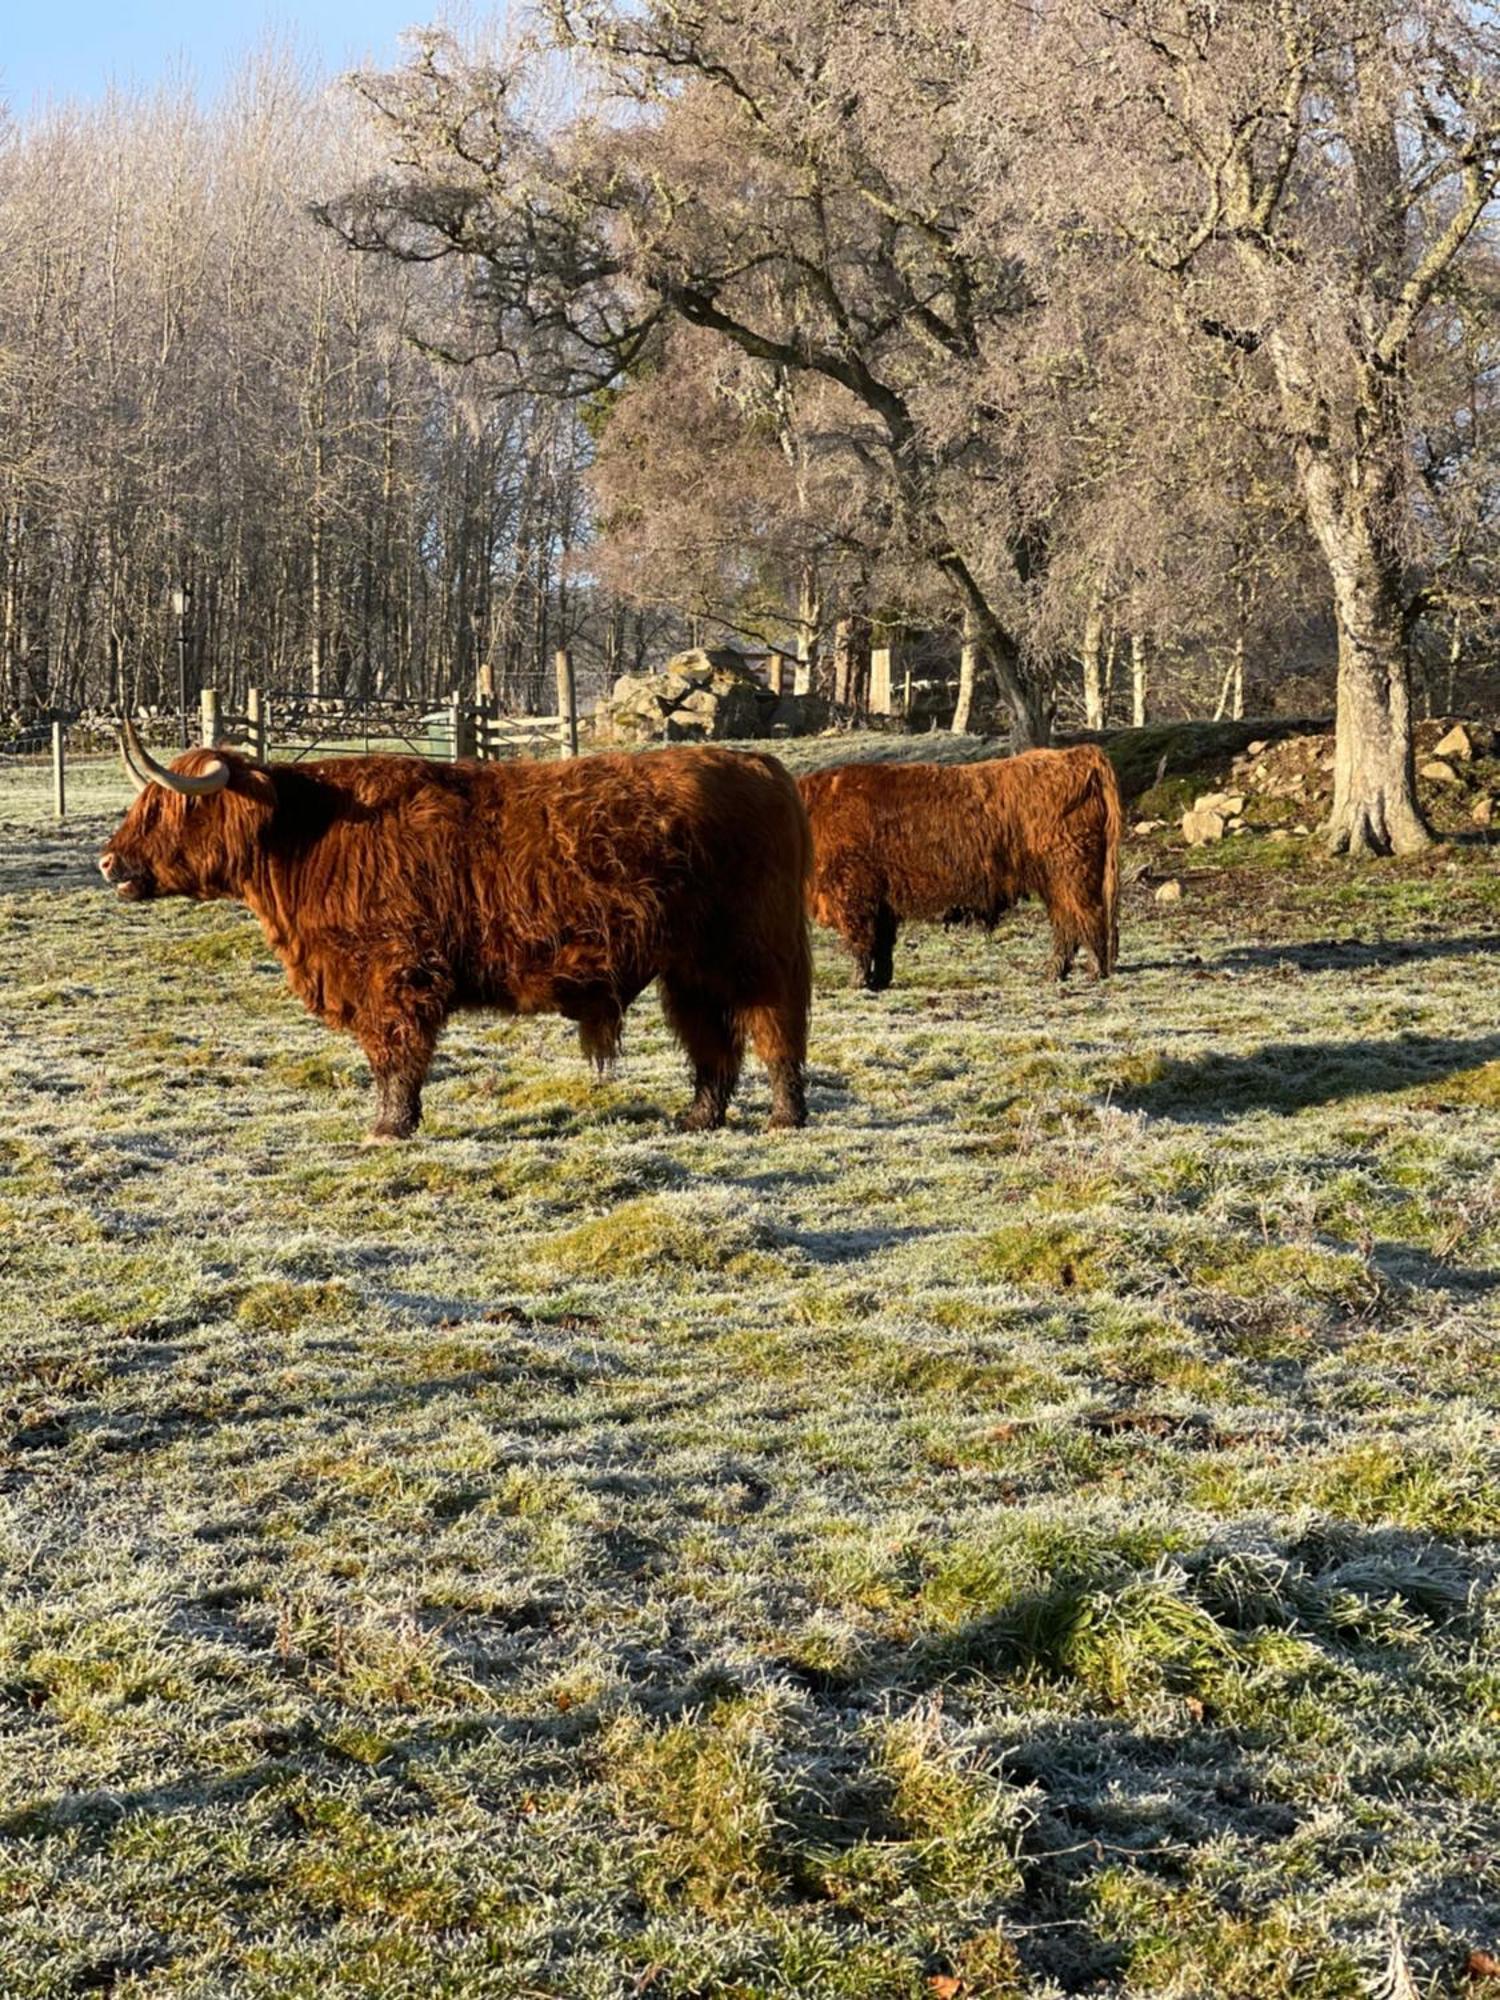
(137, 777)
(145, 770)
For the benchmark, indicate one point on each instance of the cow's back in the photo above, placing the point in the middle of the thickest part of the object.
(638, 861)
(921, 831)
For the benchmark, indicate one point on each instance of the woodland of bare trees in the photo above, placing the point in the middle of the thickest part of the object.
(1147, 347)
(200, 387)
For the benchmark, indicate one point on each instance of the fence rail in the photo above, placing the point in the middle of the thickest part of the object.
(460, 729)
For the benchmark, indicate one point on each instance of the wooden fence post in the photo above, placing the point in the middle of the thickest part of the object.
(567, 704)
(881, 665)
(484, 746)
(255, 715)
(208, 704)
(461, 728)
(59, 780)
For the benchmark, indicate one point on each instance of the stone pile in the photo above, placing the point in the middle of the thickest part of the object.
(1294, 775)
(703, 696)
(1211, 816)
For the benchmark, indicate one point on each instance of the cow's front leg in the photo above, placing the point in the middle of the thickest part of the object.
(399, 1053)
(872, 940)
(398, 1108)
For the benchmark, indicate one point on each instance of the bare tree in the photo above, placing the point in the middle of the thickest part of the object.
(793, 187)
(1306, 176)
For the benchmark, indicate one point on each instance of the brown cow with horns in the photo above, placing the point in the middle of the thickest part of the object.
(962, 843)
(395, 890)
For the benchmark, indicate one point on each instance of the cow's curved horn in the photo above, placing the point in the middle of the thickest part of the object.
(145, 770)
(137, 777)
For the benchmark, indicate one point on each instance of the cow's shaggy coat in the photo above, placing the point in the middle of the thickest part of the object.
(395, 891)
(896, 843)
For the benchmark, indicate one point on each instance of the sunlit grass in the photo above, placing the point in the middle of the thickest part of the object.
(1033, 1529)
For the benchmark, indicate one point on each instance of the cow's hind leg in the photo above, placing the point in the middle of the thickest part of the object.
(779, 1036)
(1103, 945)
(1069, 929)
(1064, 951)
(715, 1045)
(883, 958)
(398, 1108)
(1076, 924)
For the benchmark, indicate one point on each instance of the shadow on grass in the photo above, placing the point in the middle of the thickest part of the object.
(1097, 1791)
(1355, 954)
(1293, 1076)
(52, 860)
(1098, 1779)
(845, 1246)
(1408, 1264)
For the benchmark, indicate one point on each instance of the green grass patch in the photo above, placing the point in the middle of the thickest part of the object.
(1035, 1528)
(1051, 1255)
(283, 1305)
(663, 1233)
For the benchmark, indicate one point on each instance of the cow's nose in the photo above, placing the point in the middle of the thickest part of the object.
(107, 865)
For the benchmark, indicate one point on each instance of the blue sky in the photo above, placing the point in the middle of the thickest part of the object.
(76, 48)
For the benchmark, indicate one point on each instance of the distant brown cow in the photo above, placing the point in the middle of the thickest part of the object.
(395, 891)
(962, 842)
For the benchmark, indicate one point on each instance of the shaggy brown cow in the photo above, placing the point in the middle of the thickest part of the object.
(394, 890)
(961, 843)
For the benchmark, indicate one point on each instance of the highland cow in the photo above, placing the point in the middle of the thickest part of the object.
(896, 843)
(395, 891)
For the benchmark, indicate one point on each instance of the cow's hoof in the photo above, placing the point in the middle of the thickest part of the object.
(385, 1135)
(786, 1121)
(699, 1118)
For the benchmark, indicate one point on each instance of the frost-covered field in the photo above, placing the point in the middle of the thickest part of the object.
(1029, 1533)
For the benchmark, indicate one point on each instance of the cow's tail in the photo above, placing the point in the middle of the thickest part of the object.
(1114, 826)
(1101, 783)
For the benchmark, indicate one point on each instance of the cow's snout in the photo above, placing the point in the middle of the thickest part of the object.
(128, 883)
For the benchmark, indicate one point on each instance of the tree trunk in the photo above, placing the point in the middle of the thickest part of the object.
(968, 673)
(1375, 808)
(1093, 669)
(851, 662)
(1028, 699)
(1455, 654)
(1140, 679)
(1232, 689)
(809, 617)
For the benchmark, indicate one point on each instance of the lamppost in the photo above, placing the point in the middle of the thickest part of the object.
(182, 597)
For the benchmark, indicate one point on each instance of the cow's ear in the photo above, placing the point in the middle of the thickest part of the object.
(251, 781)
